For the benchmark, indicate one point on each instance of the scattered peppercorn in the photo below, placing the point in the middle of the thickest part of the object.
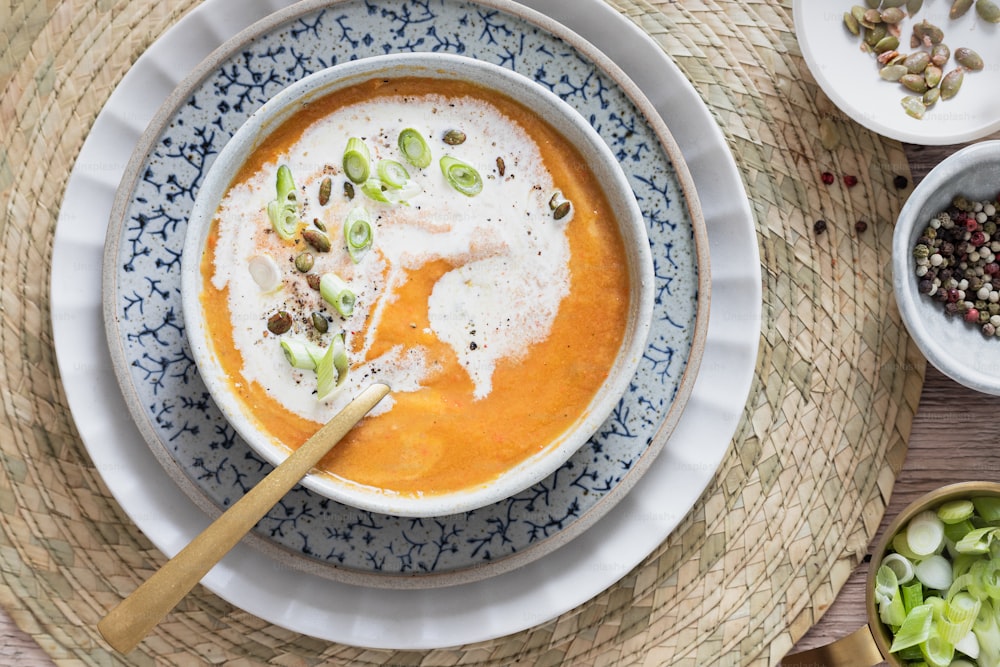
(850, 180)
(819, 226)
(827, 178)
(900, 182)
(860, 226)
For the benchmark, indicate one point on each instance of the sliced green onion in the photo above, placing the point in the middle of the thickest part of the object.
(937, 652)
(959, 616)
(977, 541)
(915, 628)
(461, 176)
(968, 645)
(925, 533)
(392, 173)
(913, 595)
(300, 354)
(901, 566)
(336, 293)
(414, 148)
(284, 211)
(988, 508)
(331, 368)
(375, 189)
(357, 160)
(934, 572)
(265, 272)
(358, 232)
(956, 511)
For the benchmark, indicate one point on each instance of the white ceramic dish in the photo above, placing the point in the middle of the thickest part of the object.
(392, 618)
(851, 80)
(956, 348)
(440, 67)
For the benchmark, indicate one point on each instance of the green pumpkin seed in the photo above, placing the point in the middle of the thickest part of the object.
(304, 262)
(892, 72)
(317, 239)
(928, 32)
(319, 322)
(932, 76)
(988, 10)
(873, 16)
(969, 59)
(940, 54)
(959, 8)
(887, 43)
(873, 4)
(914, 106)
(931, 97)
(917, 62)
(951, 82)
(279, 323)
(893, 15)
(454, 137)
(914, 82)
(914, 6)
(858, 12)
(891, 4)
(325, 186)
(349, 189)
(852, 24)
(875, 34)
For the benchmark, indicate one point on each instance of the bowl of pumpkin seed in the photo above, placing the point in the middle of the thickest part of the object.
(921, 71)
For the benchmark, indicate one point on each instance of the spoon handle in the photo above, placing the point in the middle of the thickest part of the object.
(126, 625)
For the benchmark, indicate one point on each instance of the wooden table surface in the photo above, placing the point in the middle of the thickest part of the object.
(953, 439)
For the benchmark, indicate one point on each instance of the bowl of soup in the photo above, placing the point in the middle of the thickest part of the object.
(442, 225)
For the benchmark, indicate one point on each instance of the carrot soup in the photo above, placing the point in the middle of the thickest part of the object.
(432, 235)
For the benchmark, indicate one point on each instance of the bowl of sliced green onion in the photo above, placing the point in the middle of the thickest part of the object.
(429, 221)
(933, 586)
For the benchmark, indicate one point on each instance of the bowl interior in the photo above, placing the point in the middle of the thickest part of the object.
(557, 114)
(955, 347)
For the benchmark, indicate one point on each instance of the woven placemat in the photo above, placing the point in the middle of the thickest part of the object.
(797, 497)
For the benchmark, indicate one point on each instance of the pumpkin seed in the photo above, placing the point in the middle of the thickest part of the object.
(325, 186)
(931, 97)
(988, 10)
(968, 59)
(959, 8)
(304, 262)
(317, 239)
(875, 34)
(502, 167)
(914, 82)
(349, 189)
(951, 82)
(454, 137)
(891, 4)
(893, 15)
(887, 43)
(932, 76)
(873, 16)
(279, 323)
(858, 12)
(940, 54)
(562, 210)
(852, 24)
(320, 225)
(873, 4)
(928, 32)
(914, 6)
(917, 62)
(319, 322)
(892, 72)
(914, 106)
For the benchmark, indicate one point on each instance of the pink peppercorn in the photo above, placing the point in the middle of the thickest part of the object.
(991, 269)
(972, 315)
(827, 178)
(971, 224)
(977, 239)
(953, 295)
(850, 180)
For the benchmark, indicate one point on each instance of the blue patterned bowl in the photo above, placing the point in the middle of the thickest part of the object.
(568, 122)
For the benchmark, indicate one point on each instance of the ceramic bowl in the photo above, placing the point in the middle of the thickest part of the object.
(956, 348)
(559, 115)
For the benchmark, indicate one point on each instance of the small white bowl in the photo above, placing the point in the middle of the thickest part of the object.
(955, 347)
(558, 114)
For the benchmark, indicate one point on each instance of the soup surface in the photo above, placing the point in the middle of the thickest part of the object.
(493, 320)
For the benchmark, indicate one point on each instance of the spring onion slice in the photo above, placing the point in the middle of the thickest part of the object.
(331, 368)
(901, 566)
(358, 233)
(374, 189)
(357, 160)
(956, 511)
(915, 629)
(336, 293)
(925, 533)
(977, 541)
(301, 354)
(392, 174)
(414, 148)
(913, 595)
(934, 572)
(265, 272)
(284, 211)
(937, 651)
(988, 508)
(461, 176)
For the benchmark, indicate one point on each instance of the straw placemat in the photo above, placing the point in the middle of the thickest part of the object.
(797, 498)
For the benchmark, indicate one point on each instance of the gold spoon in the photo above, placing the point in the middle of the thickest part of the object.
(130, 621)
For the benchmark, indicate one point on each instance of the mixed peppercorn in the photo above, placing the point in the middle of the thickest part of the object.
(956, 262)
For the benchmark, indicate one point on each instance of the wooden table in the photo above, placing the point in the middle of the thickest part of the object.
(954, 439)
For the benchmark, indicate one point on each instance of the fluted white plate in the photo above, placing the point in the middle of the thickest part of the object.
(378, 617)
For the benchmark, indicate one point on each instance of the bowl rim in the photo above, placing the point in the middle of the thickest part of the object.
(941, 178)
(527, 472)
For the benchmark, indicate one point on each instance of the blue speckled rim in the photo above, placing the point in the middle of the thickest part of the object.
(200, 451)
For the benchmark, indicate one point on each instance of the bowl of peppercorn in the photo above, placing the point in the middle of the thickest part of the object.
(946, 266)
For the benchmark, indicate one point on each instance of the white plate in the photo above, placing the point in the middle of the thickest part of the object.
(850, 77)
(406, 619)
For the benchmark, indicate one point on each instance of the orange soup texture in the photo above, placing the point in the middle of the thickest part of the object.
(494, 322)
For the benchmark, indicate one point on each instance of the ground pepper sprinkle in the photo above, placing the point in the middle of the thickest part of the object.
(957, 263)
